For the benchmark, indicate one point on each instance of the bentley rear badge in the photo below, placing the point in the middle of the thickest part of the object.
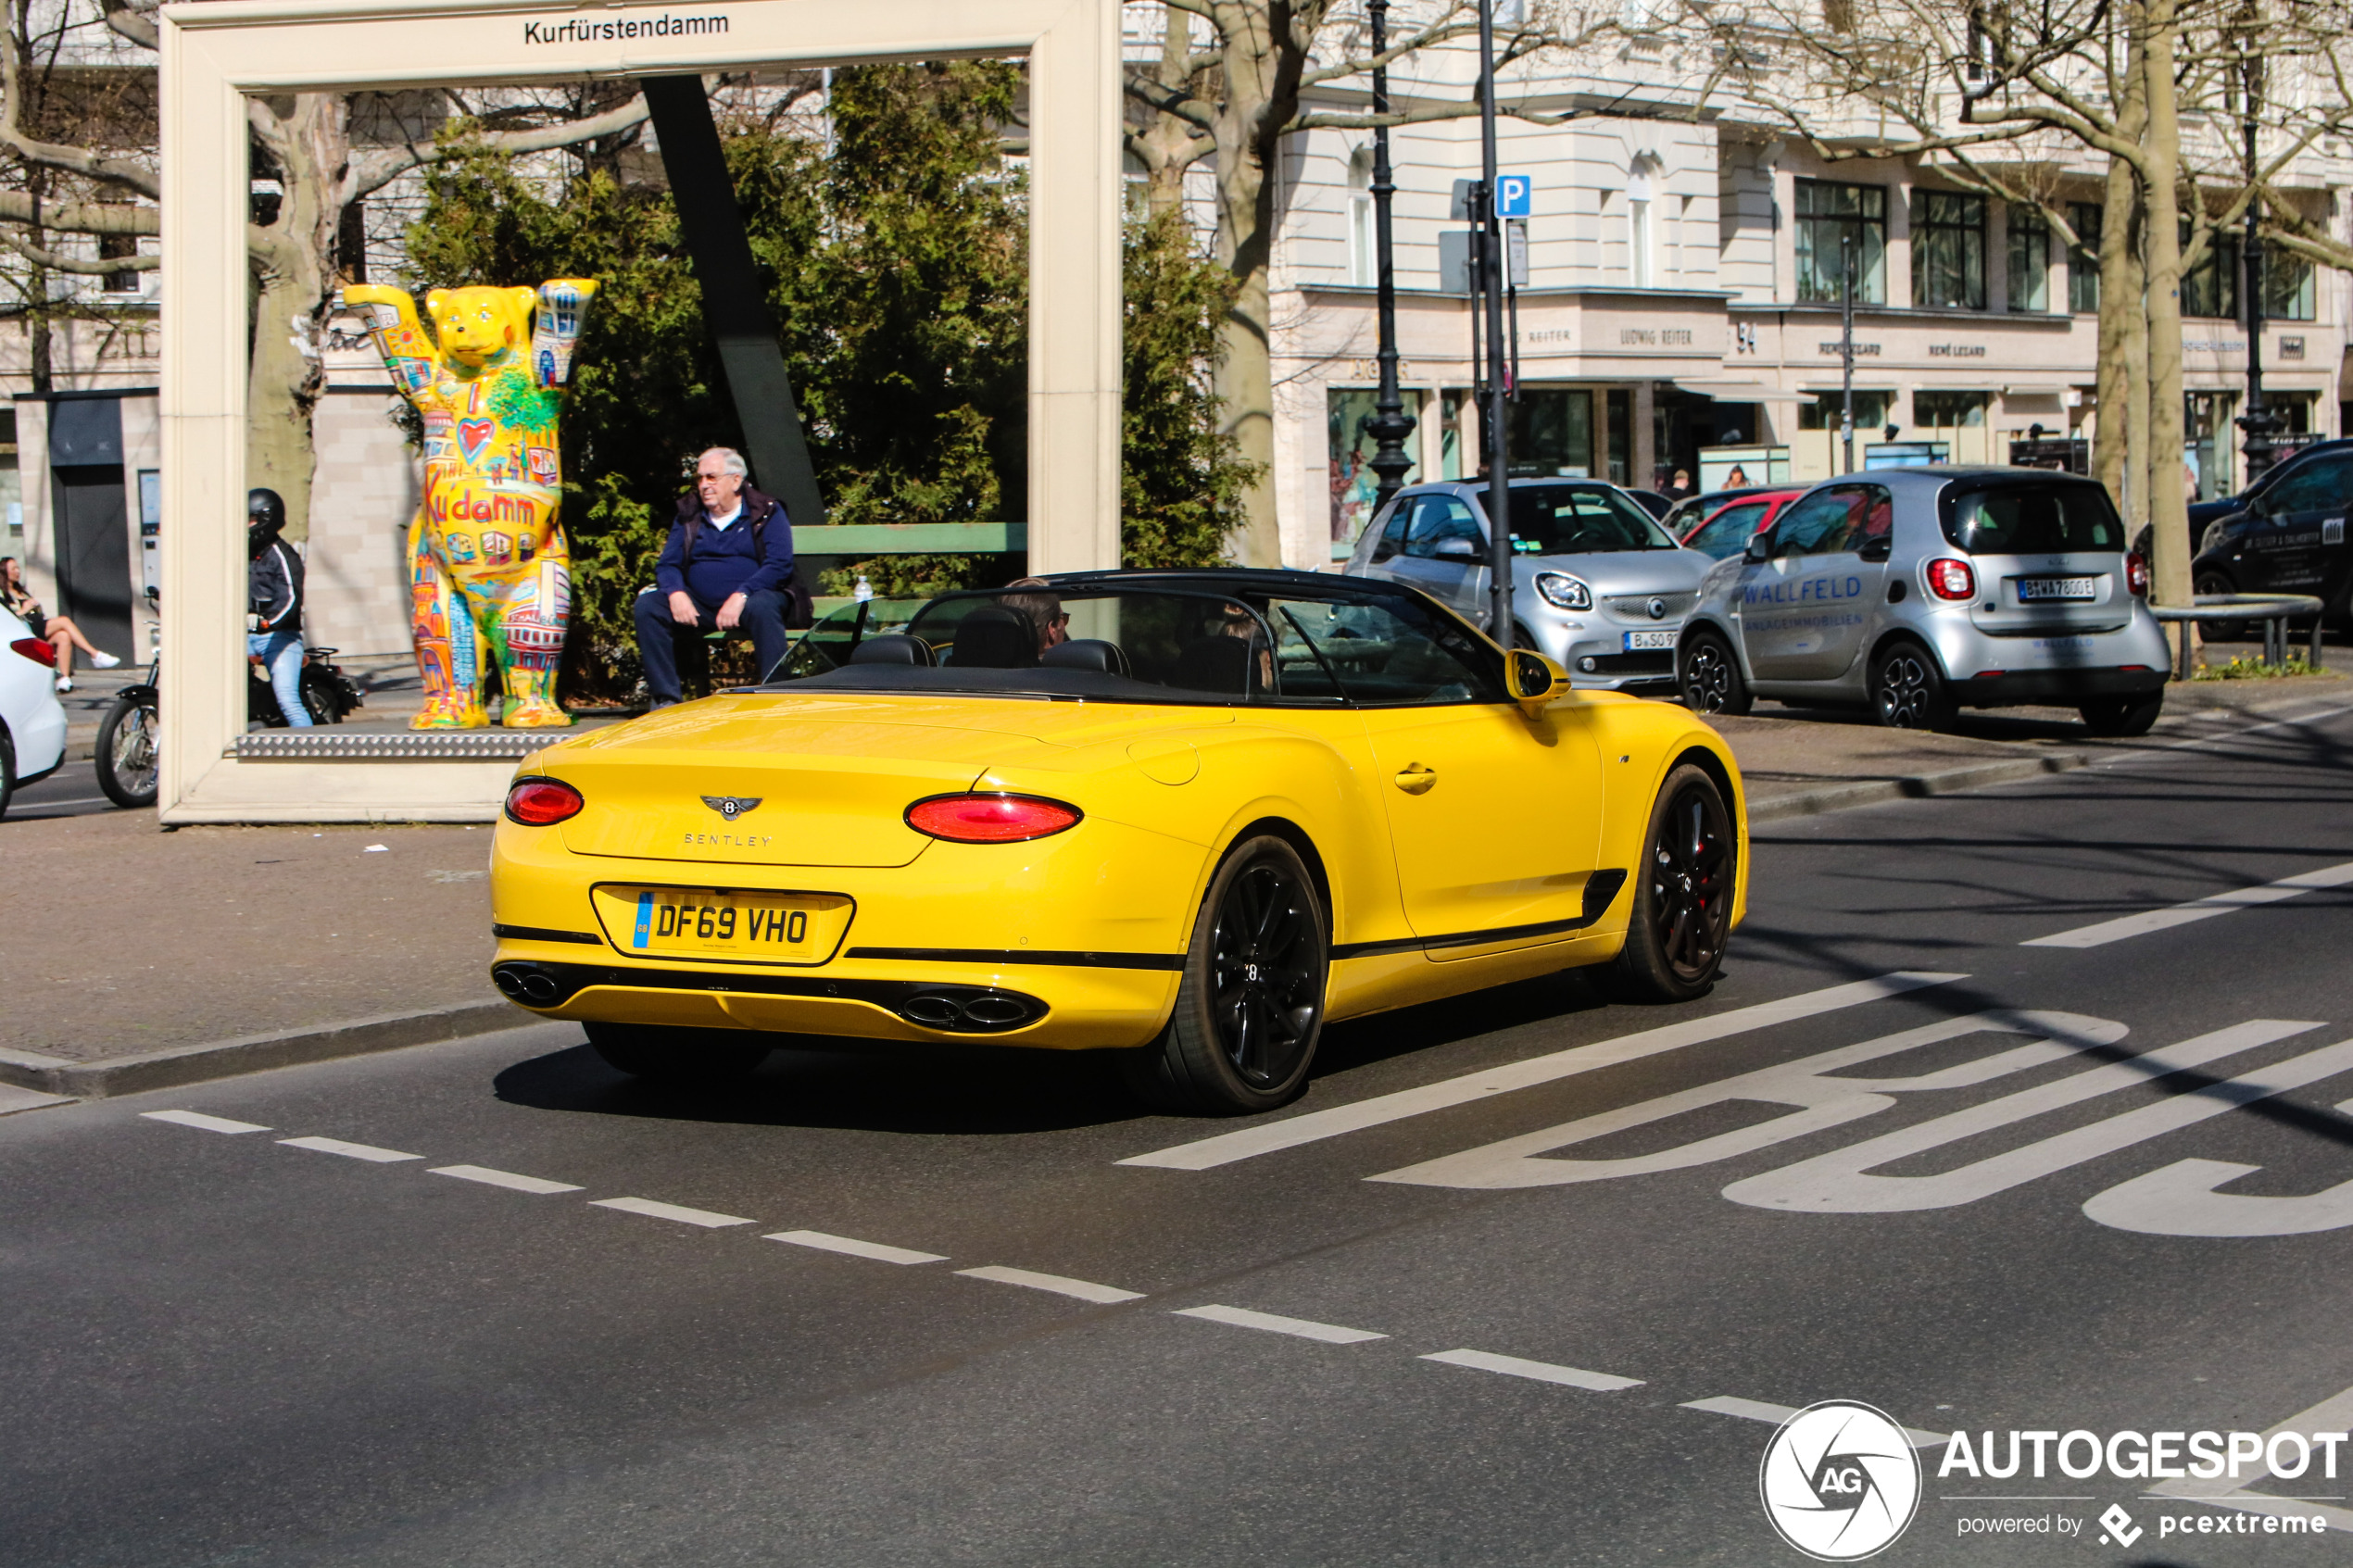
(731, 806)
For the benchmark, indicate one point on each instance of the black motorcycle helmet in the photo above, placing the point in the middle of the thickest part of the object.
(264, 519)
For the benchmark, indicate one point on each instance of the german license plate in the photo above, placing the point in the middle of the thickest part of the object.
(732, 926)
(1644, 642)
(2034, 590)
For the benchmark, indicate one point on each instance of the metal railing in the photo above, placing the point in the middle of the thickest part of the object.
(2273, 610)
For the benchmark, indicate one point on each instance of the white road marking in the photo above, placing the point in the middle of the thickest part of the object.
(13, 1099)
(199, 1119)
(702, 1217)
(2333, 1414)
(1757, 1410)
(1227, 1148)
(1821, 1101)
(857, 1249)
(1085, 1290)
(368, 1152)
(1542, 1371)
(507, 1179)
(1298, 1328)
(2180, 1199)
(2117, 929)
(1841, 1182)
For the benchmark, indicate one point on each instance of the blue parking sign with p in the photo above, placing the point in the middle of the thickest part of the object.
(1511, 195)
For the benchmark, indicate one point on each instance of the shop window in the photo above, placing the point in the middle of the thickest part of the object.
(2209, 438)
(2211, 288)
(1362, 258)
(1840, 227)
(1948, 250)
(1353, 482)
(11, 489)
(2030, 260)
(2083, 258)
(1618, 402)
(1950, 411)
(1828, 410)
(1551, 432)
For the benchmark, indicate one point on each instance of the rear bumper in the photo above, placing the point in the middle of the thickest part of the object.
(2055, 688)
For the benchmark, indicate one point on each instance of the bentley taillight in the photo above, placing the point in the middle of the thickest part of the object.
(991, 819)
(538, 803)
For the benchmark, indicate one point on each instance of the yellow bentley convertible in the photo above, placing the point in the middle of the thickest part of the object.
(1188, 816)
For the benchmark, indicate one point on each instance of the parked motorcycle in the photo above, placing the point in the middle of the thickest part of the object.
(128, 736)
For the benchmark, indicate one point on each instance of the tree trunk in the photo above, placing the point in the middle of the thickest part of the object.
(1262, 67)
(310, 136)
(2169, 507)
(2119, 448)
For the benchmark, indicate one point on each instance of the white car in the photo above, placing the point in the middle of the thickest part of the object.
(33, 725)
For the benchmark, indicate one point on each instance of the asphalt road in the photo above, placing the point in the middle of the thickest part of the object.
(225, 1347)
(72, 791)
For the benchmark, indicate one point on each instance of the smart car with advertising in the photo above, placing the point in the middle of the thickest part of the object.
(1920, 592)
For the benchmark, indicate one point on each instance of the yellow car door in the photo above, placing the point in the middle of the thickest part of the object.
(1494, 819)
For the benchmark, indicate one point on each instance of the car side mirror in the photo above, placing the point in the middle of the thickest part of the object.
(1534, 680)
(1760, 546)
(1456, 549)
(1877, 550)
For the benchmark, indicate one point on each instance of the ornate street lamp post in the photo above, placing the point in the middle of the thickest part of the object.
(2257, 423)
(1389, 424)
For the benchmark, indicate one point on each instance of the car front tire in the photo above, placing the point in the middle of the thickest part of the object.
(1249, 1010)
(1682, 913)
(2221, 631)
(1710, 677)
(1909, 691)
(683, 1057)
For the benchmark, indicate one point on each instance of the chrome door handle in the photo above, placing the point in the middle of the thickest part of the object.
(1415, 779)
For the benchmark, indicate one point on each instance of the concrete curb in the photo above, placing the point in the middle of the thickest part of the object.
(1917, 786)
(255, 1053)
(295, 1048)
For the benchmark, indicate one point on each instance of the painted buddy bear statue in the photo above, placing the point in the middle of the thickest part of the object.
(489, 573)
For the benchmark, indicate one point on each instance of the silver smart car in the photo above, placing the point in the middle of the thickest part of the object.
(1923, 591)
(1597, 584)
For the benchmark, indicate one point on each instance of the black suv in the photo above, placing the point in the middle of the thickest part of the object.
(2288, 534)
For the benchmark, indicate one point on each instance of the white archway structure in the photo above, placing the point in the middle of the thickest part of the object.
(217, 52)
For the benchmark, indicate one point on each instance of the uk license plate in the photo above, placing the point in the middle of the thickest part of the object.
(732, 926)
(2036, 590)
(1646, 642)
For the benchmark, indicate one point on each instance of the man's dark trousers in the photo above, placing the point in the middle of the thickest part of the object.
(659, 635)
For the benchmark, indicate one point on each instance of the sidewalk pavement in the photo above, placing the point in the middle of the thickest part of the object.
(168, 958)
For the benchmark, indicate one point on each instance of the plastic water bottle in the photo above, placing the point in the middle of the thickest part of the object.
(864, 590)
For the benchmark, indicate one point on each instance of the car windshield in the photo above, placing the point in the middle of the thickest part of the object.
(1199, 643)
(2031, 520)
(1568, 520)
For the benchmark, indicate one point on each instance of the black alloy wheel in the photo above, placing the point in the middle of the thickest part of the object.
(1682, 910)
(1249, 1008)
(7, 770)
(1711, 677)
(1909, 691)
(2221, 631)
(127, 756)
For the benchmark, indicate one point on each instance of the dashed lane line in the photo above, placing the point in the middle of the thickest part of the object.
(684, 1216)
(368, 1152)
(1298, 1328)
(1226, 1148)
(198, 1120)
(852, 1247)
(1085, 1290)
(507, 1179)
(1542, 1371)
(1757, 1410)
(2149, 921)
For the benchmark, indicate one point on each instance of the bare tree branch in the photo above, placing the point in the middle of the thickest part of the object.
(78, 218)
(133, 21)
(378, 170)
(43, 256)
(50, 155)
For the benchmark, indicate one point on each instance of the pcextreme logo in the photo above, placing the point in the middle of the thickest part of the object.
(1840, 1481)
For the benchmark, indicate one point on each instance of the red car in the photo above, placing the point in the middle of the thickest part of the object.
(1725, 530)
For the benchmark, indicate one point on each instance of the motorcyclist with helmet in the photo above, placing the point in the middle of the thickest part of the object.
(274, 603)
